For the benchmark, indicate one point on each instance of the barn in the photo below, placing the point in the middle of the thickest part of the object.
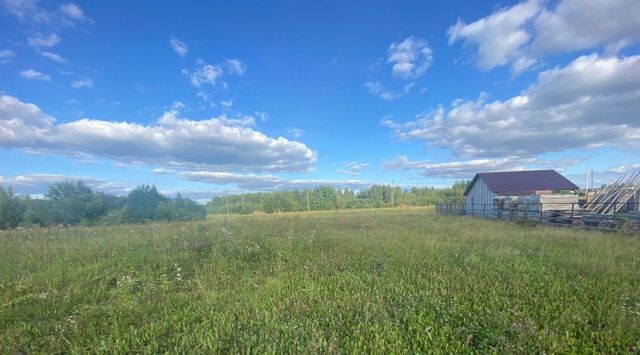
(486, 188)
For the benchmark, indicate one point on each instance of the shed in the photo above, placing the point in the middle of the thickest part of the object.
(484, 188)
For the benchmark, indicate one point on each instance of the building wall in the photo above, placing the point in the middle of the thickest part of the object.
(479, 198)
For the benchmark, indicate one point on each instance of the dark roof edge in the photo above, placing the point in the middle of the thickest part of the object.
(470, 185)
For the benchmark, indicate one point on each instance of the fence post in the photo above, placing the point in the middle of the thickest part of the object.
(526, 211)
(540, 210)
(572, 207)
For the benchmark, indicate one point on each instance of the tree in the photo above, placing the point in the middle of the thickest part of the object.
(188, 209)
(71, 202)
(142, 203)
(37, 212)
(11, 209)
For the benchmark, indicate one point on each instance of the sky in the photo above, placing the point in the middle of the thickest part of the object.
(201, 98)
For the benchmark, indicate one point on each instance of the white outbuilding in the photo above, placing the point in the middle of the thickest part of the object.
(486, 188)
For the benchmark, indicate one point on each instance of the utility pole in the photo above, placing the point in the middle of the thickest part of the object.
(242, 203)
(308, 203)
(393, 193)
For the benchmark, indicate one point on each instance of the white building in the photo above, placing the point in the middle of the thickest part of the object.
(486, 187)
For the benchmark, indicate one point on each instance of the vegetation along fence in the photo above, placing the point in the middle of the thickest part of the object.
(621, 215)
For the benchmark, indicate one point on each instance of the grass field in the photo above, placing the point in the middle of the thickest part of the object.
(400, 280)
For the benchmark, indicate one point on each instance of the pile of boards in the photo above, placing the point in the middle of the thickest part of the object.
(617, 196)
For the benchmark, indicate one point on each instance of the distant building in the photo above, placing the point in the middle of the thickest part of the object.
(486, 188)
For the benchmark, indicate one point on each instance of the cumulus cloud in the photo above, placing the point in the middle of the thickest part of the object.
(499, 36)
(221, 142)
(521, 34)
(591, 102)
(82, 83)
(178, 46)
(37, 184)
(353, 168)
(34, 75)
(410, 58)
(581, 24)
(268, 182)
(44, 41)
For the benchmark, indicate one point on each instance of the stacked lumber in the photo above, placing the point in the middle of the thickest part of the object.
(550, 202)
(614, 197)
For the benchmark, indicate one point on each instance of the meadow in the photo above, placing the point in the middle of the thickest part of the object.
(398, 280)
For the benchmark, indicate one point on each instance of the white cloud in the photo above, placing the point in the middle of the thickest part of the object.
(591, 102)
(235, 67)
(29, 11)
(499, 36)
(82, 83)
(582, 24)
(161, 171)
(268, 182)
(178, 46)
(245, 181)
(37, 184)
(353, 168)
(41, 41)
(26, 10)
(35, 75)
(410, 58)
(178, 105)
(263, 116)
(457, 169)
(53, 56)
(622, 169)
(205, 74)
(377, 89)
(5, 55)
(215, 143)
(226, 104)
(72, 11)
(208, 74)
(295, 132)
(206, 99)
(522, 34)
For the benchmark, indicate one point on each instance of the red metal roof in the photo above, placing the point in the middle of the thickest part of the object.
(523, 182)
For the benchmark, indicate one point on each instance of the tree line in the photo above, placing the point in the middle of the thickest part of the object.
(330, 198)
(73, 202)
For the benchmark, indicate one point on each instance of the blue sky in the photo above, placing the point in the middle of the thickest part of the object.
(204, 97)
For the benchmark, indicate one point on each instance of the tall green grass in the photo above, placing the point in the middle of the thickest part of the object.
(399, 280)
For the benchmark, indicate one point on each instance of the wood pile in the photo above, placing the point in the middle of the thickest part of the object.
(616, 195)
